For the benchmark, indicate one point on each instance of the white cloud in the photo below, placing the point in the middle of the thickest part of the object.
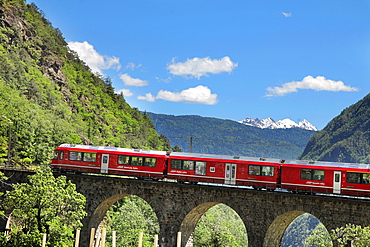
(92, 58)
(286, 14)
(197, 95)
(198, 67)
(125, 92)
(133, 66)
(167, 80)
(319, 83)
(129, 81)
(148, 97)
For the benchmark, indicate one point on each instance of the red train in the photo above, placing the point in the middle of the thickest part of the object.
(293, 175)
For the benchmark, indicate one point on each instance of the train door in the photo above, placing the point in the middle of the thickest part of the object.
(104, 163)
(337, 182)
(230, 173)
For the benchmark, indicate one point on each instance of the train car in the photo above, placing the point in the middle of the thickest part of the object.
(110, 160)
(326, 177)
(356, 180)
(233, 170)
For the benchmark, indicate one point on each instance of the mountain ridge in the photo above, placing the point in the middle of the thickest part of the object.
(346, 138)
(269, 123)
(228, 137)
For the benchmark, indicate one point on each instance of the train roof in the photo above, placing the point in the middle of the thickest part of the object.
(271, 160)
(102, 148)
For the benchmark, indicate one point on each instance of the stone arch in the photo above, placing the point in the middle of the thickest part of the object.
(100, 211)
(276, 230)
(190, 221)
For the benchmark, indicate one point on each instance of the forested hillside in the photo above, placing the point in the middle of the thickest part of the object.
(48, 96)
(219, 136)
(346, 138)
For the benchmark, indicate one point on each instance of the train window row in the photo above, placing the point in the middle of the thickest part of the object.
(261, 170)
(358, 178)
(311, 174)
(136, 161)
(198, 166)
(82, 156)
(58, 155)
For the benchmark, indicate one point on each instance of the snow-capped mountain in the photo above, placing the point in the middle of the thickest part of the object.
(269, 123)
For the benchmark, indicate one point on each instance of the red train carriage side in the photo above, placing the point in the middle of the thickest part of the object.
(231, 170)
(356, 180)
(309, 178)
(121, 161)
(259, 173)
(326, 177)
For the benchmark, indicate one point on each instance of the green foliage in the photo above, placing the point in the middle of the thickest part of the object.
(48, 96)
(128, 217)
(220, 226)
(45, 205)
(319, 238)
(21, 239)
(302, 228)
(218, 136)
(350, 235)
(345, 139)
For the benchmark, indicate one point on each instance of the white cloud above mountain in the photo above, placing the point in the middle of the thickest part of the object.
(320, 83)
(148, 97)
(129, 81)
(125, 92)
(197, 95)
(94, 59)
(198, 67)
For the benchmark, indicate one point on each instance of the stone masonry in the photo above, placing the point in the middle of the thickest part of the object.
(178, 207)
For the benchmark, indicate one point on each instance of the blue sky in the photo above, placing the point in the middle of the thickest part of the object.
(225, 59)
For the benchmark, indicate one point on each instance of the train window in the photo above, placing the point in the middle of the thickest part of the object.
(75, 155)
(56, 155)
(182, 164)
(306, 174)
(61, 155)
(200, 168)
(123, 160)
(176, 164)
(337, 178)
(188, 165)
(150, 162)
(80, 156)
(137, 161)
(310, 174)
(89, 157)
(254, 170)
(366, 178)
(261, 170)
(318, 175)
(358, 178)
(268, 171)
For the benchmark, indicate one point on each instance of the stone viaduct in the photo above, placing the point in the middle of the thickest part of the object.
(178, 207)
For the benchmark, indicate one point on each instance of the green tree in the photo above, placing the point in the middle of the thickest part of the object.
(350, 235)
(176, 148)
(319, 237)
(44, 205)
(130, 216)
(220, 226)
